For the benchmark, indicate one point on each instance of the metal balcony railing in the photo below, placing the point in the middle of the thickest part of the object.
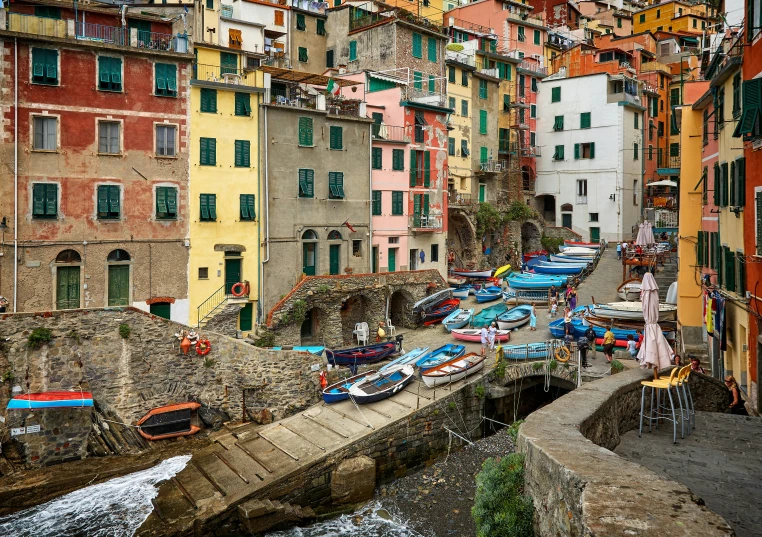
(390, 133)
(531, 64)
(473, 27)
(526, 17)
(490, 165)
(311, 6)
(461, 57)
(669, 158)
(363, 19)
(277, 59)
(531, 151)
(224, 75)
(460, 199)
(425, 222)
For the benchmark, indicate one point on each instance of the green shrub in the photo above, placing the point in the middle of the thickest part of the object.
(537, 366)
(8, 376)
(266, 339)
(125, 330)
(550, 244)
(520, 212)
(38, 338)
(501, 509)
(208, 362)
(553, 365)
(299, 312)
(488, 218)
(513, 430)
(500, 369)
(480, 391)
(451, 406)
(617, 365)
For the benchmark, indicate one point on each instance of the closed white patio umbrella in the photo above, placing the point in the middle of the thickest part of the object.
(655, 351)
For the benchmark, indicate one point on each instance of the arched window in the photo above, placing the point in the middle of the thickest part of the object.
(309, 252)
(118, 255)
(68, 256)
(567, 207)
(309, 235)
(334, 236)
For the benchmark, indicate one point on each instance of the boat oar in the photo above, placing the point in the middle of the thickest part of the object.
(360, 411)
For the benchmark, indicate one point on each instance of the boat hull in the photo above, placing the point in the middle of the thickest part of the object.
(564, 269)
(432, 301)
(580, 244)
(361, 355)
(158, 423)
(487, 296)
(407, 358)
(440, 355)
(339, 391)
(465, 334)
(461, 294)
(454, 370)
(379, 387)
(51, 400)
(514, 317)
(458, 319)
(517, 296)
(479, 274)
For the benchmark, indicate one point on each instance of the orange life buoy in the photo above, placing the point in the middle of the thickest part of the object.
(323, 380)
(241, 292)
(203, 347)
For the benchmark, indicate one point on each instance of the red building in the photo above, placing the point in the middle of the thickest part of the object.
(94, 212)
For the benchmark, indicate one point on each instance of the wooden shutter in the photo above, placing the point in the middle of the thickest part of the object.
(556, 94)
(730, 269)
(717, 192)
(758, 204)
(700, 249)
(427, 169)
(161, 202)
(724, 185)
(336, 135)
(305, 131)
(171, 201)
(417, 45)
(376, 206)
(51, 200)
(377, 158)
(741, 182)
(416, 210)
(425, 208)
(103, 201)
(38, 200)
(204, 202)
(482, 121)
(413, 166)
(464, 78)
(752, 99)
(278, 17)
(592, 149)
(352, 51)
(113, 200)
(576, 151)
(432, 45)
(732, 188)
(740, 274)
(213, 206)
(244, 207)
(104, 72)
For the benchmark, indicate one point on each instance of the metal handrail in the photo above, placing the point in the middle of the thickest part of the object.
(210, 305)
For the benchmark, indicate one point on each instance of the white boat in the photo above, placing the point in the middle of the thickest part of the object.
(461, 293)
(432, 300)
(458, 319)
(454, 370)
(630, 289)
(481, 274)
(560, 258)
(633, 310)
(578, 251)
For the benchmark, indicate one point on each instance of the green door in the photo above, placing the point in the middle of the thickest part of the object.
(595, 234)
(334, 258)
(566, 220)
(392, 259)
(119, 285)
(374, 260)
(308, 258)
(144, 30)
(232, 274)
(482, 192)
(67, 293)
(246, 317)
(161, 309)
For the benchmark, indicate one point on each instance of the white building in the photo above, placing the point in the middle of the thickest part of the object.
(590, 172)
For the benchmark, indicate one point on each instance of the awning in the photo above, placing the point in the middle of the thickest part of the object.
(387, 78)
(664, 182)
(300, 77)
(693, 40)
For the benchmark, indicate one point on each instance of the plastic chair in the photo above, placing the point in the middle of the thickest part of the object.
(391, 330)
(362, 333)
(689, 399)
(655, 412)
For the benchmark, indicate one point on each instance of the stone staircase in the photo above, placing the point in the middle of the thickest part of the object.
(258, 516)
(224, 318)
(666, 276)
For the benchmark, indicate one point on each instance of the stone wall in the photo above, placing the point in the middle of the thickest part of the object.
(130, 376)
(561, 233)
(579, 487)
(63, 434)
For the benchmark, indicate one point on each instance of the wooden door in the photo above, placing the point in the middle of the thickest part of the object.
(246, 317)
(67, 288)
(309, 250)
(334, 251)
(482, 192)
(161, 309)
(119, 285)
(595, 234)
(232, 274)
(392, 259)
(566, 220)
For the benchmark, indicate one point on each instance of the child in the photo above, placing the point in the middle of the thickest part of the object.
(553, 308)
(533, 319)
(632, 347)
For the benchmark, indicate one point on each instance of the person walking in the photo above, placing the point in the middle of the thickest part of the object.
(552, 297)
(590, 335)
(736, 405)
(582, 346)
(608, 344)
(567, 321)
(533, 319)
(573, 299)
(483, 337)
(619, 251)
(491, 333)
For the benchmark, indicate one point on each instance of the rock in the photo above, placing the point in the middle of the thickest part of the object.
(353, 480)
(212, 417)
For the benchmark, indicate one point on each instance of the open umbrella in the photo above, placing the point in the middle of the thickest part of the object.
(655, 351)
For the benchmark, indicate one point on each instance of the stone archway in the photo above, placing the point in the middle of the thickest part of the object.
(531, 236)
(311, 331)
(546, 206)
(401, 309)
(462, 238)
(355, 309)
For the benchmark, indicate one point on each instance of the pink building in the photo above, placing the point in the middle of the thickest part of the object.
(710, 159)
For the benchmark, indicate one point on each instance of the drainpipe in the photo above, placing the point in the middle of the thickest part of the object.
(259, 195)
(267, 215)
(370, 208)
(15, 172)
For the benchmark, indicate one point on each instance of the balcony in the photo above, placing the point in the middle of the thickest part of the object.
(424, 96)
(390, 133)
(425, 222)
(533, 65)
(461, 57)
(224, 75)
(668, 161)
(526, 17)
(363, 19)
(655, 67)
(276, 59)
(95, 33)
(460, 199)
(471, 27)
(490, 165)
(531, 152)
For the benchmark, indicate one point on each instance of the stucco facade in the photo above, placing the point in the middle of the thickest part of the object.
(308, 38)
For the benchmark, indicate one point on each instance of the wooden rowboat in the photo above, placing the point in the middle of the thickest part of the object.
(630, 289)
(339, 391)
(361, 355)
(453, 370)
(169, 421)
(380, 386)
(466, 334)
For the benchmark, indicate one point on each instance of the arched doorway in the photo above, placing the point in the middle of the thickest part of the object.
(401, 309)
(354, 310)
(566, 215)
(546, 205)
(530, 237)
(118, 283)
(309, 252)
(311, 328)
(67, 277)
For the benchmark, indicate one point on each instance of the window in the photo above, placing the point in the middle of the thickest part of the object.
(558, 154)
(537, 35)
(434, 253)
(642, 18)
(44, 200)
(166, 79)
(719, 106)
(634, 151)
(737, 85)
(738, 183)
(305, 131)
(451, 75)
(208, 100)
(650, 152)
(420, 125)
(398, 159)
(321, 27)
(636, 121)
(376, 202)
(208, 207)
(356, 248)
(558, 123)
(483, 89)
(165, 140)
(279, 16)
(660, 130)
(394, 240)
(376, 158)
(432, 84)
(417, 45)
(532, 139)
(582, 191)
(336, 185)
(303, 55)
(464, 108)
(352, 51)
(593, 217)
(432, 49)
(532, 110)
(555, 95)
(203, 273)
(329, 59)
(695, 23)
(242, 104)
(658, 13)
(242, 153)
(208, 153)
(464, 78)
(522, 34)
(464, 152)
(482, 122)
(748, 126)
(108, 202)
(451, 103)
(166, 203)
(451, 147)
(108, 137)
(674, 97)
(618, 22)
(109, 73)
(418, 80)
(47, 12)
(758, 214)
(301, 25)
(583, 151)
(397, 207)
(584, 120)
(306, 183)
(534, 84)
(45, 133)
(209, 4)
(248, 210)
(45, 66)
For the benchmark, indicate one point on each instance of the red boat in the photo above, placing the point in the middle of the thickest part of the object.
(536, 253)
(169, 421)
(361, 355)
(442, 310)
(595, 245)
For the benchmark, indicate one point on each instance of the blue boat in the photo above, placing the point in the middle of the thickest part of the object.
(458, 319)
(339, 391)
(486, 295)
(538, 284)
(440, 355)
(407, 358)
(569, 259)
(559, 268)
(317, 351)
(487, 315)
(533, 276)
(557, 328)
(380, 386)
(528, 351)
(514, 317)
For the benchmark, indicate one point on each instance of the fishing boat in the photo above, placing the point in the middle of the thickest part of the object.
(33, 401)
(316, 350)
(558, 258)
(536, 253)
(381, 385)
(440, 355)
(339, 391)
(528, 351)
(169, 421)
(633, 310)
(579, 328)
(517, 296)
(487, 315)
(580, 244)
(474, 336)
(487, 295)
(361, 355)
(501, 271)
(478, 274)
(558, 268)
(432, 300)
(461, 293)
(407, 358)
(458, 319)
(444, 309)
(576, 251)
(453, 370)
(514, 317)
(454, 279)
(540, 283)
(557, 328)
(630, 289)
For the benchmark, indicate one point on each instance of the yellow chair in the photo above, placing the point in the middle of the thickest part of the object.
(655, 413)
(689, 399)
(679, 383)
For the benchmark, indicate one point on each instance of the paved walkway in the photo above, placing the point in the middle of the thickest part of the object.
(720, 461)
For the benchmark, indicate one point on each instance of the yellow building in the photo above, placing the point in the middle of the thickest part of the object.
(224, 186)
(460, 69)
(673, 17)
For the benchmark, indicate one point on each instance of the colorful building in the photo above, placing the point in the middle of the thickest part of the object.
(96, 214)
(675, 16)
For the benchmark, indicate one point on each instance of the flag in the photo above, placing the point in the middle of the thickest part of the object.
(333, 87)
(346, 223)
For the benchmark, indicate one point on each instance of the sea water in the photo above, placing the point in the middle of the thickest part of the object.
(114, 508)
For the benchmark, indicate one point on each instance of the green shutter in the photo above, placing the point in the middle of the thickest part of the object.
(425, 208)
(636, 120)
(417, 210)
(166, 79)
(732, 188)
(376, 159)
(464, 108)
(432, 45)
(451, 146)
(724, 185)
(243, 153)
(306, 183)
(398, 159)
(740, 274)
(537, 37)
(482, 122)
(752, 99)
(204, 204)
(113, 201)
(432, 84)
(336, 137)
(243, 104)
(584, 120)
(592, 149)
(300, 23)
(576, 151)
(305, 131)
(417, 45)
(212, 203)
(556, 94)
(451, 75)
(352, 51)
(320, 29)
(741, 182)
(700, 249)
(717, 190)
(413, 164)
(730, 270)
(247, 207)
(417, 80)
(397, 203)
(102, 201)
(339, 183)
(38, 200)
(208, 100)
(464, 78)
(161, 202)
(376, 202)
(427, 169)
(303, 57)
(758, 205)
